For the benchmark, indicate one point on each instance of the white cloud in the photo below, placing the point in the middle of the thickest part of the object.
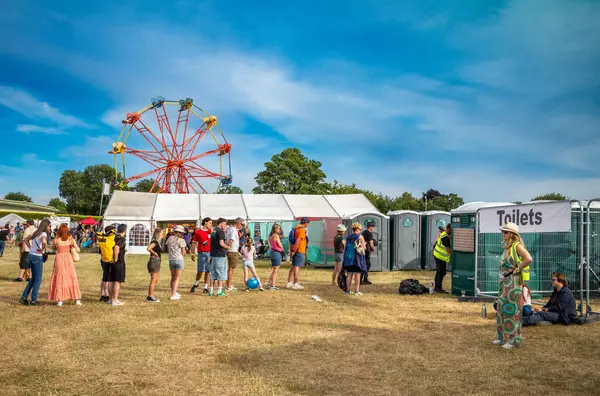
(22, 102)
(26, 128)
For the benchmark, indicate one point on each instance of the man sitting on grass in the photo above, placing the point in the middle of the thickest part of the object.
(560, 308)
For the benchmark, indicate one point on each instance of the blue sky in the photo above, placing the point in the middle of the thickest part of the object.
(494, 100)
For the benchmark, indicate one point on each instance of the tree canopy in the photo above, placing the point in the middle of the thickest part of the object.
(58, 204)
(290, 172)
(144, 185)
(81, 189)
(230, 190)
(18, 196)
(550, 197)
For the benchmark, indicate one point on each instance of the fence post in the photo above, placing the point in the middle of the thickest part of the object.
(581, 255)
(588, 240)
(475, 278)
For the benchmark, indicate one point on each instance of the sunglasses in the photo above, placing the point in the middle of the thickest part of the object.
(554, 279)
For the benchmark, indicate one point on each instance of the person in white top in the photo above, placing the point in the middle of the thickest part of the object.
(37, 247)
(232, 237)
(177, 250)
(248, 251)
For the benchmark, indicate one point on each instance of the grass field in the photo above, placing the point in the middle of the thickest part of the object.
(276, 342)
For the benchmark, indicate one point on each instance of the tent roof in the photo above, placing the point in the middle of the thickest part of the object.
(126, 205)
(11, 219)
(472, 207)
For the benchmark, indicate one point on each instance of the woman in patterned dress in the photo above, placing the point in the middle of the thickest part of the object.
(508, 316)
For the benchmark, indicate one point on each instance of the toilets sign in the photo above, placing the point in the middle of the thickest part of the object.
(542, 217)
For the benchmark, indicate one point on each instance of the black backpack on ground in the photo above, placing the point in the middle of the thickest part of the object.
(341, 279)
(412, 287)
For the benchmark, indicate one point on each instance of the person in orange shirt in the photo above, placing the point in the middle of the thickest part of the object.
(298, 253)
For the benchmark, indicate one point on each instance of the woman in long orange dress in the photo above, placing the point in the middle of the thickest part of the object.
(64, 284)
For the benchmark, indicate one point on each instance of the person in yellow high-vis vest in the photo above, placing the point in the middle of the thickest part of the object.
(441, 253)
(514, 270)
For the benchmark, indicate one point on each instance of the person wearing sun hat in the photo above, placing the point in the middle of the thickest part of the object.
(339, 244)
(515, 260)
(176, 246)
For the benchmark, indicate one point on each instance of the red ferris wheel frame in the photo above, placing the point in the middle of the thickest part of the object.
(172, 153)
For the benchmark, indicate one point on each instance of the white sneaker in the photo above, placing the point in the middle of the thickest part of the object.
(357, 293)
(117, 303)
(59, 304)
(289, 286)
(508, 345)
(297, 287)
(78, 302)
(497, 342)
(177, 294)
(175, 297)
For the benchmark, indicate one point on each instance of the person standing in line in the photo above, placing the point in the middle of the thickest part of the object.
(201, 244)
(508, 315)
(371, 243)
(24, 271)
(218, 253)
(233, 241)
(4, 234)
(176, 247)
(339, 244)
(106, 244)
(276, 255)
(117, 270)
(441, 254)
(154, 262)
(355, 258)
(298, 251)
(37, 246)
(64, 284)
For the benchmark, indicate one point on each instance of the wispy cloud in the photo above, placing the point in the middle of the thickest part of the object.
(22, 102)
(26, 128)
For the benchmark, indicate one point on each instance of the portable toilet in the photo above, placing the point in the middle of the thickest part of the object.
(462, 259)
(380, 258)
(405, 240)
(430, 222)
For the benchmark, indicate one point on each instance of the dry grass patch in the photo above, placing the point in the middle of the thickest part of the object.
(276, 343)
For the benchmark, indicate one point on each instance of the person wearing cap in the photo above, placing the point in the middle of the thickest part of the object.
(367, 234)
(232, 237)
(4, 237)
(339, 244)
(441, 253)
(176, 246)
(298, 253)
(515, 260)
(24, 270)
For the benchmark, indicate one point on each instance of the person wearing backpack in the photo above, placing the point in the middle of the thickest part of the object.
(106, 243)
(298, 249)
(355, 262)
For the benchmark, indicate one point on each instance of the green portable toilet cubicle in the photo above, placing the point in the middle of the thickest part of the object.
(405, 240)
(380, 258)
(462, 260)
(430, 221)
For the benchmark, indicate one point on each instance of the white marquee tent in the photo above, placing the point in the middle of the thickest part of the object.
(11, 219)
(142, 211)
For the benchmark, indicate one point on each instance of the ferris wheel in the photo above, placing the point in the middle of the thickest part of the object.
(179, 148)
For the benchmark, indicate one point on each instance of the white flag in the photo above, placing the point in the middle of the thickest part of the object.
(106, 189)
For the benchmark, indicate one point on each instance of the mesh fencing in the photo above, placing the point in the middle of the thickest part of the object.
(593, 260)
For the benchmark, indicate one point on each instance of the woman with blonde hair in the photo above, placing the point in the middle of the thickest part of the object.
(64, 284)
(354, 258)
(514, 261)
(36, 243)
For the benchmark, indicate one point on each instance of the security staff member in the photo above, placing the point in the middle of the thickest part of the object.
(441, 253)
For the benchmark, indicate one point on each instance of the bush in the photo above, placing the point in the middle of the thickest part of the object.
(40, 216)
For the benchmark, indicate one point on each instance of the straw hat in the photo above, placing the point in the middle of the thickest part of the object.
(510, 227)
(178, 229)
(341, 227)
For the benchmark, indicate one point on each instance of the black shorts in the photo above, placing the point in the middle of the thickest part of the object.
(117, 272)
(105, 271)
(24, 261)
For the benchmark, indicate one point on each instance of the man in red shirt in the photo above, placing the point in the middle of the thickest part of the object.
(201, 244)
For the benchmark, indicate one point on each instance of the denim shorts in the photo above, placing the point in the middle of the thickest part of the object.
(275, 258)
(298, 259)
(218, 268)
(339, 257)
(203, 262)
(176, 265)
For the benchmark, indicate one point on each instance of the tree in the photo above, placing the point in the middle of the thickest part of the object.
(81, 189)
(290, 172)
(58, 204)
(551, 197)
(144, 185)
(438, 201)
(230, 190)
(18, 196)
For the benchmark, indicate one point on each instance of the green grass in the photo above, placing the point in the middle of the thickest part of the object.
(276, 343)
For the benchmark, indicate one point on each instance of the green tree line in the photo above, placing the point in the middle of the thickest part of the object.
(288, 172)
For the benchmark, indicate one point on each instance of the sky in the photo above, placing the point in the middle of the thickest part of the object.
(494, 100)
